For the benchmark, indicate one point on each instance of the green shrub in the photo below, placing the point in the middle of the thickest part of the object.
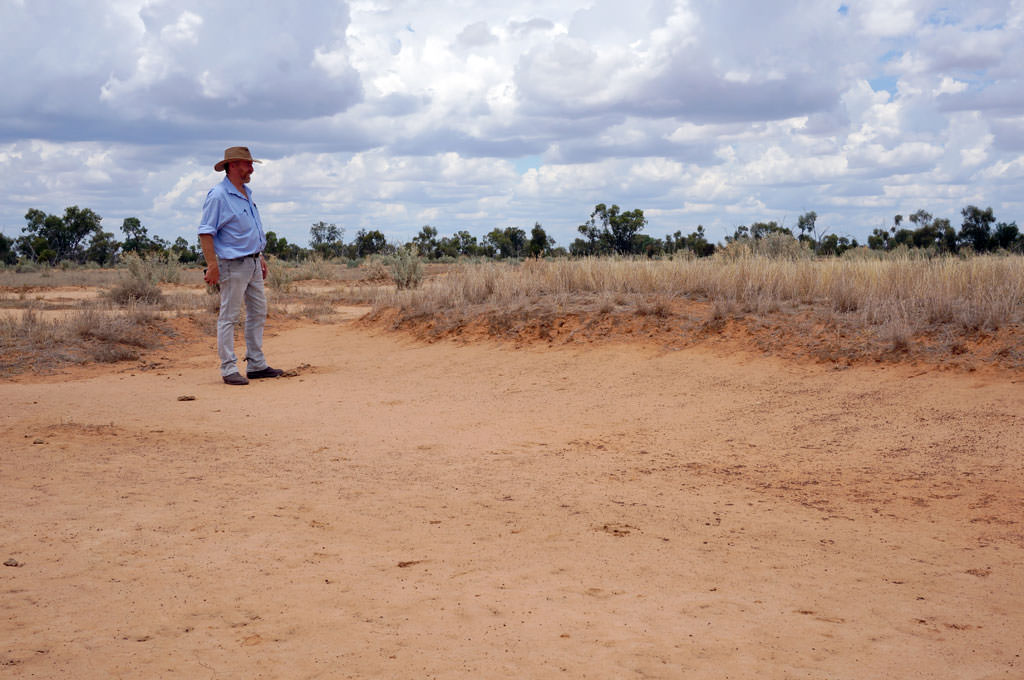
(406, 269)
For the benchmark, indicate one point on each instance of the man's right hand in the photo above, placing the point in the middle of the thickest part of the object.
(212, 275)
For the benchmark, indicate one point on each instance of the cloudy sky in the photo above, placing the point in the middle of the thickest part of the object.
(465, 114)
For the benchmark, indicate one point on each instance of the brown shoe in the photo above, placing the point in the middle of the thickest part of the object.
(267, 372)
(236, 379)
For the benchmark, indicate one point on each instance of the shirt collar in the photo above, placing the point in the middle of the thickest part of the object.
(231, 189)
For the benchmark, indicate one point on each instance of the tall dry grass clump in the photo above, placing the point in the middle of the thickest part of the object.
(144, 275)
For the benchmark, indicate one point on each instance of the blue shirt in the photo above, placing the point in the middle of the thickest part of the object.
(233, 220)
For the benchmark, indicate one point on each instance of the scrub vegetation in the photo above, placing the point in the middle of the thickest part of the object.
(776, 297)
(918, 290)
(861, 306)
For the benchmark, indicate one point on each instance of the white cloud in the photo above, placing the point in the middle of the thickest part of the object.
(477, 34)
(887, 18)
(184, 30)
(949, 86)
(389, 115)
(274, 64)
(906, 157)
(1012, 170)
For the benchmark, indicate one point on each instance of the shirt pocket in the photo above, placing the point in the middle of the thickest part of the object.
(240, 222)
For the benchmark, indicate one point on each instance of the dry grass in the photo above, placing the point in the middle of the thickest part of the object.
(980, 292)
(116, 314)
(858, 307)
(893, 305)
(30, 342)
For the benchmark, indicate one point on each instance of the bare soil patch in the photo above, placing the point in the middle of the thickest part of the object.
(626, 509)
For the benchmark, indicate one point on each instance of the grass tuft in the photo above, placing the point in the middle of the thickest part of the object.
(89, 335)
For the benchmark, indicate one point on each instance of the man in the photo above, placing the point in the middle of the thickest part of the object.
(231, 235)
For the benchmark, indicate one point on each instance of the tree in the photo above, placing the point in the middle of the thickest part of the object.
(183, 252)
(137, 238)
(946, 240)
(921, 218)
(644, 244)
(54, 238)
(1008, 237)
(102, 248)
(426, 242)
(369, 243)
(460, 243)
(696, 242)
(448, 246)
(928, 233)
(902, 237)
(467, 244)
(326, 239)
(925, 234)
(35, 248)
(540, 243)
(739, 233)
(279, 247)
(78, 223)
(831, 244)
(879, 239)
(808, 226)
(611, 231)
(507, 242)
(760, 230)
(976, 230)
(7, 254)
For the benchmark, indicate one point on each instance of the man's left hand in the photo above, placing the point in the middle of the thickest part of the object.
(263, 267)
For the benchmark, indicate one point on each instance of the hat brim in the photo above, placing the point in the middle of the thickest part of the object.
(220, 164)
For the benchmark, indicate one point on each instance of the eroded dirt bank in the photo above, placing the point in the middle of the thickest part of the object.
(407, 510)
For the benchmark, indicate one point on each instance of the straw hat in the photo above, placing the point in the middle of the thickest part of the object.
(235, 153)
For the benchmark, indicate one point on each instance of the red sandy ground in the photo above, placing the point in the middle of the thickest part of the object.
(400, 509)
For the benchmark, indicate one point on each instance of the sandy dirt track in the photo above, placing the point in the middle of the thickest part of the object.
(409, 510)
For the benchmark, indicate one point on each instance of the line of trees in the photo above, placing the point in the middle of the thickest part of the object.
(979, 231)
(612, 231)
(77, 236)
(328, 240)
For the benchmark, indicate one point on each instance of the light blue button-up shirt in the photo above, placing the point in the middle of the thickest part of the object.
(233, 220)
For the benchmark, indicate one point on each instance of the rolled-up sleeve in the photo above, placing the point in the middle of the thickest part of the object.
(212, 208)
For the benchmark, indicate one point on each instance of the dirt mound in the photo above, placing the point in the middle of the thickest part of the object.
(796, 334)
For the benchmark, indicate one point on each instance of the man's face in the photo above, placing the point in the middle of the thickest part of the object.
(240, 170)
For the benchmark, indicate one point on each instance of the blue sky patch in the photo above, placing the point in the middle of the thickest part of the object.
(527, 162)
(887, 83)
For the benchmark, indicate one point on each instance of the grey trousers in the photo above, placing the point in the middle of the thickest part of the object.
(241, 280)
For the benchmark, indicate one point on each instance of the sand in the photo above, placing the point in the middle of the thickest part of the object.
(399, 509)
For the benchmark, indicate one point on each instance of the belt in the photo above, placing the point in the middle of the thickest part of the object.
(255, 256)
